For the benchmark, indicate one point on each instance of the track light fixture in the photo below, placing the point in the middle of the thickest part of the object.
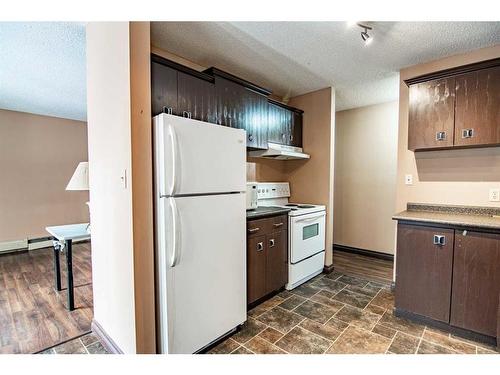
(367, 39)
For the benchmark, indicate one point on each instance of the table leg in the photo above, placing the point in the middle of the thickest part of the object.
(69, 265)
(57, 268)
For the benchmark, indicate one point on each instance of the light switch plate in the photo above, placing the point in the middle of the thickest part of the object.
(408, 179)
(494, 195)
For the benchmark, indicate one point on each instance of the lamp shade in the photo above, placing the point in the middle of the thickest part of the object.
(80, 178)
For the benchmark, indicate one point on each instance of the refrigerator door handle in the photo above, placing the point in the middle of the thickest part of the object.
(174, 260)
(173, 147)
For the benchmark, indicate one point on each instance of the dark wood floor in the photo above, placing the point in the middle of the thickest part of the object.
(360, 265)
(33, 316)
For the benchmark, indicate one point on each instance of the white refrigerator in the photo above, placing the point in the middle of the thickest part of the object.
(200, 184)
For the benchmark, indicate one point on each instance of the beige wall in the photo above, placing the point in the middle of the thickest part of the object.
(38, 155)
(366, 141)
(461, 177)
(142, 187)
(109, 133)
(311, 181)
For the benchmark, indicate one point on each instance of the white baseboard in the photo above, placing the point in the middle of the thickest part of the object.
(40, 244)
(9, 246)
(18, 245)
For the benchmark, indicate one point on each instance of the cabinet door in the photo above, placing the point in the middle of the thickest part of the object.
(296, 134)
(280, 124)
(196, 98)
(256, 268)
(476, 282)
(229, 102)
(277, 266)
(423, 271)
(255, 119)
(477, 110)
(163, 89)
(431, 114)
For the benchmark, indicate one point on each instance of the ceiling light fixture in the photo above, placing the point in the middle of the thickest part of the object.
(367, 39)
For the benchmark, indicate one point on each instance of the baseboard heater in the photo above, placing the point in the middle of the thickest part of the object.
(28, 244)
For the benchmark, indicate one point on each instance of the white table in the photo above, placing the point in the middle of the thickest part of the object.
(65, 235)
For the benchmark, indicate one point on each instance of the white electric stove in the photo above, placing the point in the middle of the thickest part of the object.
(306, 232)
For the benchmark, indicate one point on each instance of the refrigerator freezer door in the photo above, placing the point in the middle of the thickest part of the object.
(195, 157)
(201, 269)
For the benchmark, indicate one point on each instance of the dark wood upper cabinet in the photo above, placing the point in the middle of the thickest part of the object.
(476, 282)
(296, 133)
(431, 114)
(228, 98)
(163, 89)
(455, 108)
(424, 270)
(477, 113)
(285, 124)
(255, 119)
(219, 97)
(280, 124)
(195, 98)
(241, 107)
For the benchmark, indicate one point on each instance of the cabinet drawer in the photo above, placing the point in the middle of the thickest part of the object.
(259, 227)
(280, 223)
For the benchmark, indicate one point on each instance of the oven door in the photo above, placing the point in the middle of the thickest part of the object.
(307, 235)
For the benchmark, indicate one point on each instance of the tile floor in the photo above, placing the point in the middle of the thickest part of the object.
(339, 314)
(87, 344)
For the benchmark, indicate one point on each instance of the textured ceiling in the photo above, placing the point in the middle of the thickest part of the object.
(293, 58)
(42, 68)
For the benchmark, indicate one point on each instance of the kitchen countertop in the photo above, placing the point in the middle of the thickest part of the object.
(260, 212)
(465, 216)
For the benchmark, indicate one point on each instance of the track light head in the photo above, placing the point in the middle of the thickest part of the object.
(367, 39)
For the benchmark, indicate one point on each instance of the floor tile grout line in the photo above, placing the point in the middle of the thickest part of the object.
(334, 341)
(392, 340)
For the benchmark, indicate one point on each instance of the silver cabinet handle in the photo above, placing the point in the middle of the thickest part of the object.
(260, 246)
(250, 137)
(291, 137)
(440, 136)
(467, 133)
(167, 110)
(271, 242)
(186, 114)
(277, 225)
(253, 230)
(439, 240)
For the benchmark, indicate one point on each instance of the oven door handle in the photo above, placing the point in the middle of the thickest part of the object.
(309, 219)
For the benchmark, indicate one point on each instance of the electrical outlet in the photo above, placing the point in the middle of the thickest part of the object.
(494, 195)
(408, 179)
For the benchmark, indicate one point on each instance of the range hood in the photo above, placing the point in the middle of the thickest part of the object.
(279, 152)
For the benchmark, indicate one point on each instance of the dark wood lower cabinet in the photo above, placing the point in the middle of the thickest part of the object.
(451, 276)
(476, 282)
(277, 268)
(256, 267)
(267, 256)
(424, 271)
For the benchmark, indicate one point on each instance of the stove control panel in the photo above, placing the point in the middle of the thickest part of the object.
(267, 190)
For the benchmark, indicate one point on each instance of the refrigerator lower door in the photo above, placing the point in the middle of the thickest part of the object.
(201, 269)
(195, 157)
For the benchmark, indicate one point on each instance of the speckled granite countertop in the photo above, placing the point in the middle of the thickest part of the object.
(465, 216)
(260, 212)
